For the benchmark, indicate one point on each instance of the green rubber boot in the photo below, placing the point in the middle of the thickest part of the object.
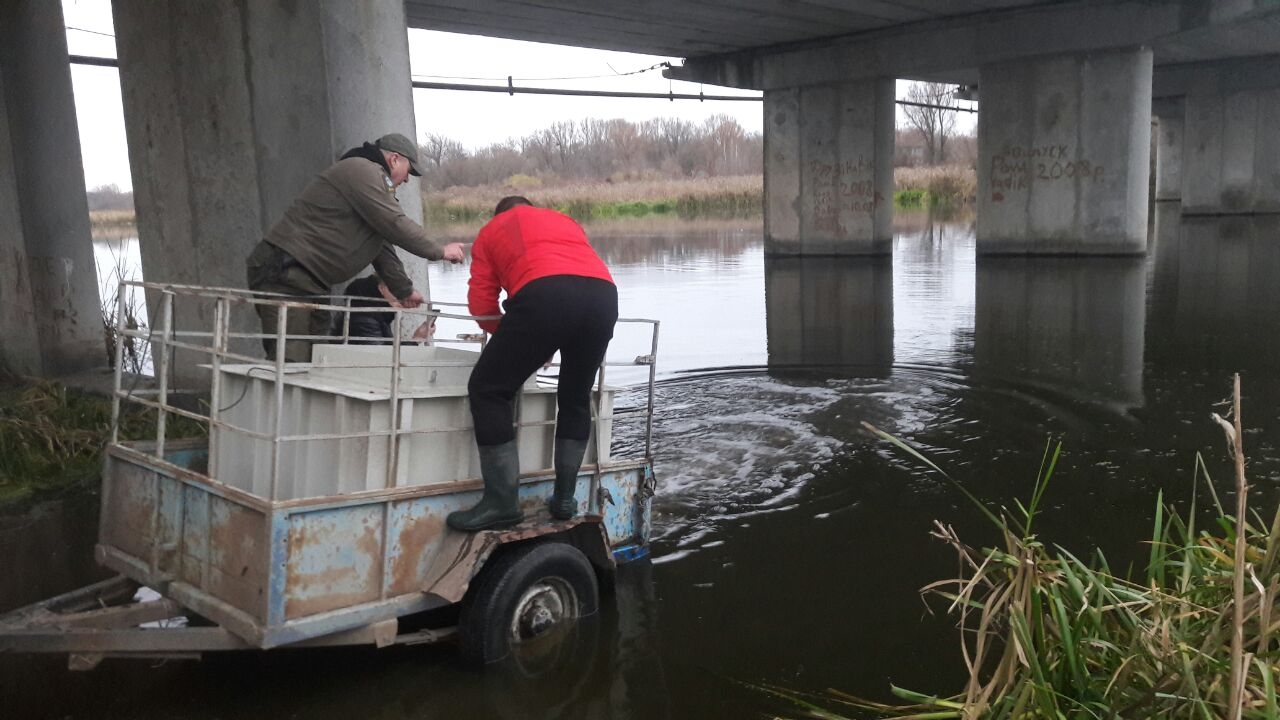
(500, 506)
(568, 461)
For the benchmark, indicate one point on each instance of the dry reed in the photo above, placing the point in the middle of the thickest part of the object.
(1046, 635)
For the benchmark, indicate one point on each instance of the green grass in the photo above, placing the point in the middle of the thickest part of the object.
(51, 438)
(910, 198)
(719, 205)
(1050, 635)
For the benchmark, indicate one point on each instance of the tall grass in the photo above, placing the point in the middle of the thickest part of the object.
(945, 185)
(52, 437)
(723, 197)
(104, 220)
(1046, 634)
(135, 357)
(731, 196)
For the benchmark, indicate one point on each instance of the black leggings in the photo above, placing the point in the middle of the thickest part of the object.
(572, 314)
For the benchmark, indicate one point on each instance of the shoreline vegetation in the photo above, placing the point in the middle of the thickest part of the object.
(725, 197)
(1049, 634)
(52, 438)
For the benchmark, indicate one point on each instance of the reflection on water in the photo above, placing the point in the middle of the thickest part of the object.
(830, 311)
(790, 545)
(1073, 325)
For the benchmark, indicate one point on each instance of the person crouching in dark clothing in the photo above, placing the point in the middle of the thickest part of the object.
(375, 327)
(560, 297)
(367, 327)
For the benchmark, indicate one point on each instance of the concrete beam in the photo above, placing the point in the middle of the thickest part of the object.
(828, 169)
(51, 321)
(1169, 113)
(232, 107)
(1225, 76)
(1229, 124)
(21, 348)
(1231, 151)
(950, 47)
(1064, 148)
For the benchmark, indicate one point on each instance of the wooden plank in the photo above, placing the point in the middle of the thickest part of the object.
(94, 640)
(123, 616)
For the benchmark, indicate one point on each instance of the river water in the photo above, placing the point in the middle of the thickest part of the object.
(789, 544)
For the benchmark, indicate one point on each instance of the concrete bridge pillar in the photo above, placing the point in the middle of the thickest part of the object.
(1168, 148)
(50, 321)
(231, 108)
(828, 169)
(1231, 156)
(1064, 154)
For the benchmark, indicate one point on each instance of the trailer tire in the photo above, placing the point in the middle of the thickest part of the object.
(525, 597)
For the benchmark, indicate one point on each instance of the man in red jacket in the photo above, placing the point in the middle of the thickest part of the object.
(560, 296)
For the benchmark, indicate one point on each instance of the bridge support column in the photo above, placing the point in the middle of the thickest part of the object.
(1231, 159)
(50, 321)
(1169, 148)
(1064, 155)
(828, 169)
(232, 107)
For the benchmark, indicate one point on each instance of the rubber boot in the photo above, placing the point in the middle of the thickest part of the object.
(500, 506)
(568, 461)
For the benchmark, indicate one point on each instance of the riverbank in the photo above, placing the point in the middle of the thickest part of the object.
(721, 197)
(738, 196)
(52, 436)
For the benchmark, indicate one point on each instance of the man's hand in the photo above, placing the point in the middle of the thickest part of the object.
(453, 253)
(426, 330)
(413, 300)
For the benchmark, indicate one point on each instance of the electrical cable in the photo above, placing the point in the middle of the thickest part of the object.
(655, 66)
(248, 374)
(91, 32)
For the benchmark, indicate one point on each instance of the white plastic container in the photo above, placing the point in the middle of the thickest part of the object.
(347, 391)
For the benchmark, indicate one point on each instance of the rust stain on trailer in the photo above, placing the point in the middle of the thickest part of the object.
(234, 540)
(237, 568)
(131, 505)
(462, 555)
(456, 562)
(416, 539)
(328, 569)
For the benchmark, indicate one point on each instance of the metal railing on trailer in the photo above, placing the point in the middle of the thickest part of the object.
(165, 338)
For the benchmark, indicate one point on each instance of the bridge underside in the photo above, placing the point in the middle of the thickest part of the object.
(1068, 91)
(228, 113)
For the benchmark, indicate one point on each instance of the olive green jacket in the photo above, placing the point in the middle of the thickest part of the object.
(347, 218)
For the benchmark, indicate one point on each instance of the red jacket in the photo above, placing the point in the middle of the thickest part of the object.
(521, 245)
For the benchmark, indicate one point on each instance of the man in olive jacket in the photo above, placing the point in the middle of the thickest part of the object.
(345, 219)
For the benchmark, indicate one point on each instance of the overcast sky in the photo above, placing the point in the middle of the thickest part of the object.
(475, 119)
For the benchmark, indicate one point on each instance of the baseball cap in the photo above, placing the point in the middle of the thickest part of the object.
(397, 143)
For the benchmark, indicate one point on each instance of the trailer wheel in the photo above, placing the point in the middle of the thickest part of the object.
(526, 603)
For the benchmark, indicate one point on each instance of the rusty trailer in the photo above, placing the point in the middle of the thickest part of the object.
(282, 525)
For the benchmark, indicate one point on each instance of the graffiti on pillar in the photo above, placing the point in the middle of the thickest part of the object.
(836, 189)
(1015, 166)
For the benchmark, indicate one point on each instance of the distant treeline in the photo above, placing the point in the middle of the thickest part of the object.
(574, 151)
(109, 197)
(594, 168)
(600, 150)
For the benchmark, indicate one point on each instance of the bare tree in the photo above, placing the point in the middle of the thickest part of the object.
(440, 149)
(626, 142)
(724, 138)
(600, 150)
(935, 124)
(562, 138)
